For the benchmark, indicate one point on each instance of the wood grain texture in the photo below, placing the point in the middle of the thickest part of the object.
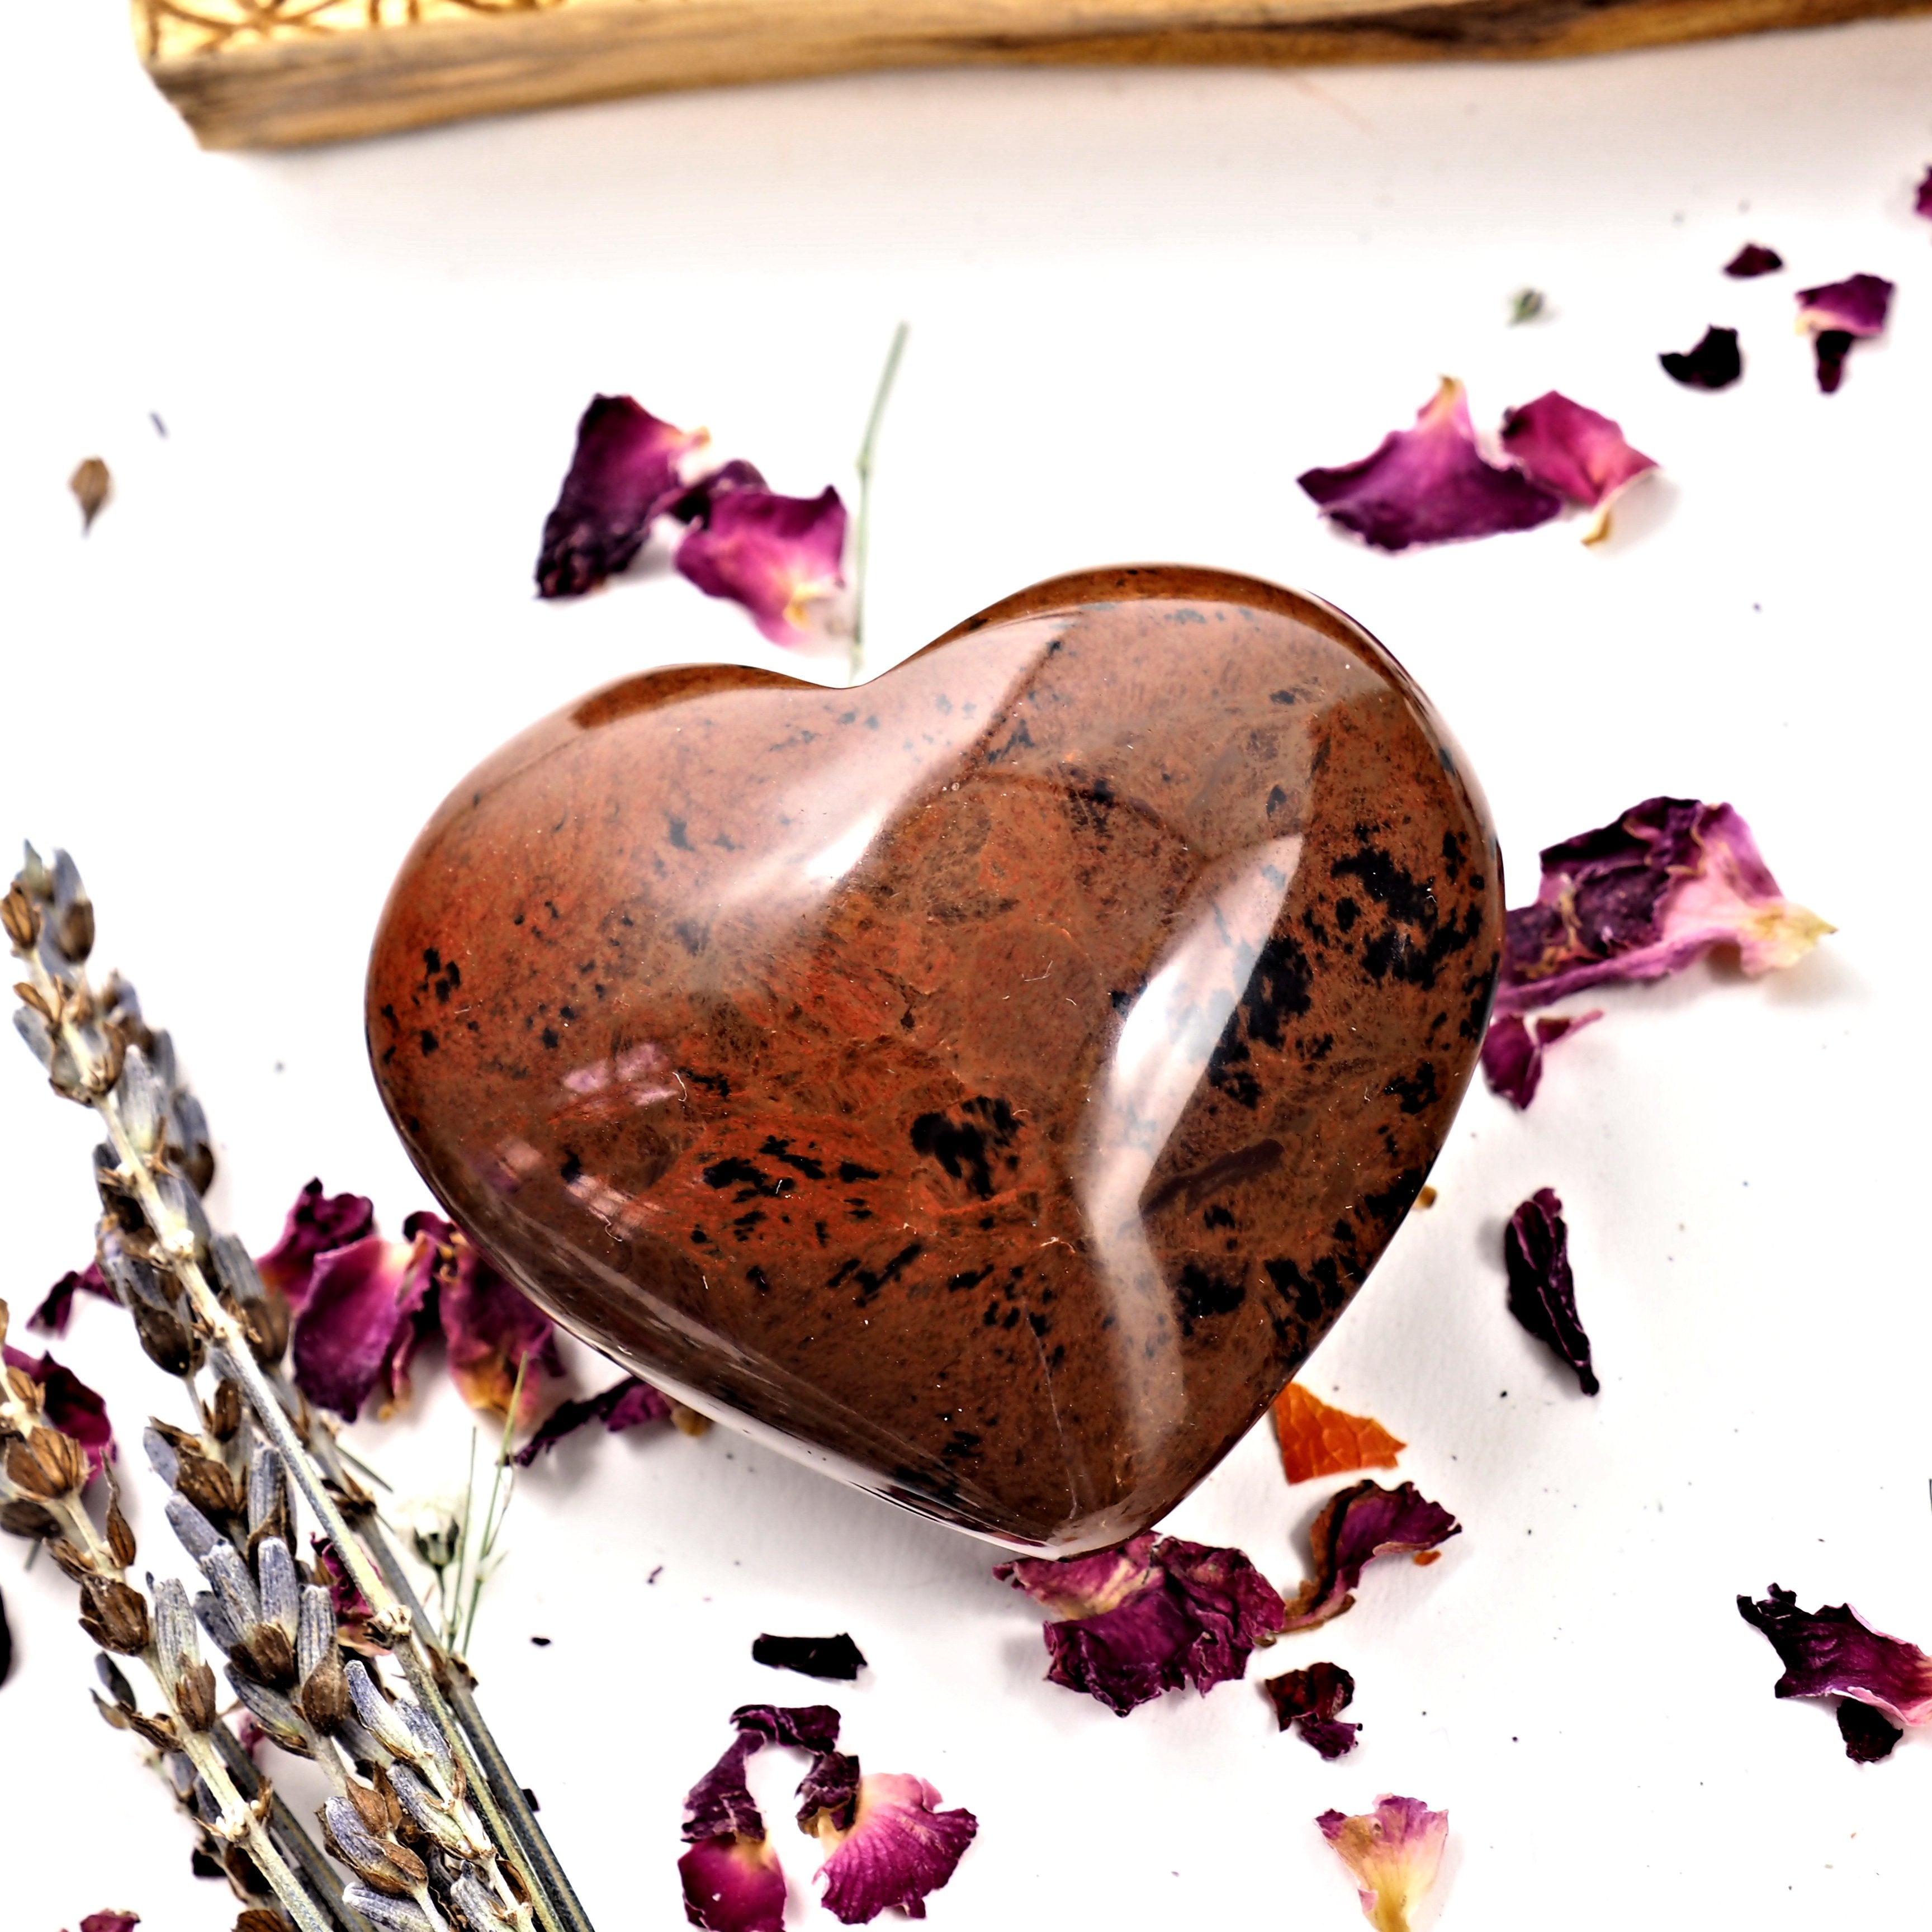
(284, 73)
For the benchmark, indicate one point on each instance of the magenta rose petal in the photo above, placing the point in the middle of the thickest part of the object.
(629, 467)
(1310, 1701)
(357, 1332)
(1832, 1652)
(56, 1308)
(1392, 1853)
(1715, 363)
(317, 1222)
(694, 505)
(1643, 897)
(733, 1885)
(1753, 259)
(1430, 484)
(1837, 314)
(898, 1849)
(1082, 1586)
(493, 1331)
(1571, 449)
(110, 1921)
(1513, 1053)
(812, 1727)
(1357, 1525)
(1542, 1289)
(1921, 203)
(627, 1404)
(780, 557)
(69, 1404)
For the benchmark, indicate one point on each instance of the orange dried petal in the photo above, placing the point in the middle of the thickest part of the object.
(1319, 1441)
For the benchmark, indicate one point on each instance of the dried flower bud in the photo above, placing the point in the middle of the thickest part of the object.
(379, 1814)
(259, 1919)
(324, 1696)
(430, 1816)
(273, 1712)
(18, 915)
(169, 1344)
(92, 486)
(73, 1563)
(479, 1910)
(47, 1464)
(120, 1537)
(207, 1486)
(158, 1443)
(31, 995)
(72, 926)
(380, 1717)
(19, 1517)
(280, 1586)
(194, 1697)
(142, 1101)
(266, 1323)
(385, 1914)
(391, 1868)
(114, 1615)
(190, 1150)
(224, 1411)
(114, 1682)
(271, 1656)
(111, 1715)
(271, 1509)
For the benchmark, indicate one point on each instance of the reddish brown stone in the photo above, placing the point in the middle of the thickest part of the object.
(992, 1081)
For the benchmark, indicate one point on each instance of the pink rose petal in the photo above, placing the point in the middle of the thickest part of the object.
(1565, 447)
(1392, 1853)
(733, 1885)
(1837, 314)
(317, 1222)
(629, 1404)
(898, 1849)
(69, 1404)
(1513, 1054)
(1359, 1524)
(492, 1330)
(357, 1331)
(56, 1308)
(781, 557)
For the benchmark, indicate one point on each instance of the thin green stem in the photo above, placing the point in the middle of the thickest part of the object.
(862, 532)
(493, 1521)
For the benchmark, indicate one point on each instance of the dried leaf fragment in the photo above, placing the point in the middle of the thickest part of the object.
(92, 486)
(1317, 1440)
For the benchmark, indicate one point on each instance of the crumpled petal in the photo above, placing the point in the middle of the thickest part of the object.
(812, 1727)
(1309, 1700)
(733, 1885)
(897, 1848)
(1837, 314)
(778, 556)
(353, 1611)
(1392, 1852)
(69, 1404)
(492, 1330)
(1430, 484)
(1754, 258)
(358, 1330)
(1513, 1054)
(1083, 1586)
(836, 1658)
(317, 1222)
(695, 503)
(624, 1405)
(828, 1790)
(720, 1804)
(1832, 1652)
(110, 1921)
(628, 470)
(1319, 1440)
(1567, 447)
(1542, 1290)
(1642, 897)
(56, 1308)
(1869, 1735)
(1716, 363)
(1359, 1524)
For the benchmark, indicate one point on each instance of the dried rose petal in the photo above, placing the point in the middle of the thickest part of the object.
(695, 503)
(1833, 1652)
(1753, 259)
(1922, 202)
(1565, 447)
(812, 1727)
(1542, 1290)
(1868, 1736)
(492, 1330)
(733, 1885)
(1642, 898)
(1716, 363)
(897, 1848)
(834, 1657)
(627, 468)
(1837, 314)
(720, 1804)
(779, 556)
(353, 1612)
(1359, 1524)
(1513, 1055)
(1430, 484)
(110, 1921)
(830, 1790)
(6, 1644)
(317, 1222)
(1083, 1586)
(358, 1330)
(1392, 1852)
(70, 1404)
(56, 1308)
(1317, 1440)
(624, 1405)
(1309, 1700)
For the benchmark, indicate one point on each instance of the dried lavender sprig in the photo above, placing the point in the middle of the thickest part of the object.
(156, 1158)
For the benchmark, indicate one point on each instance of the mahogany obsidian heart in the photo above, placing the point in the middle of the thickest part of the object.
(992, 1081)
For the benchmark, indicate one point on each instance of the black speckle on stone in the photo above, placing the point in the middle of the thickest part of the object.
(780, 1150)
(756, 1276)
(850, 1171)
(1346, 913)
(572, 1169)
(1202, 1294)
(549, 1036)
(675, 828)
(1281, 697)
(751, 1181)
(432, 962)
(1416, 1090)
(1276, 799)
(428, 1041)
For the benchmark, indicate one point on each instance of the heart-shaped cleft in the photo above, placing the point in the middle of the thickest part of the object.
(990, 1082)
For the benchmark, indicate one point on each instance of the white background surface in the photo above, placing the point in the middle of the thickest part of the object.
(1142, 303)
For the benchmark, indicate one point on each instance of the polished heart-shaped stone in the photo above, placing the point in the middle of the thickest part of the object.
(990, 1082)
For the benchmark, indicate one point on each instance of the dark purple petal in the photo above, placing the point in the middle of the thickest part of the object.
(353, 1610)
(1309, 1700)
(1232, 1606)
(493, 1331)
(1642, 897)
(56, 1308)
(812, 1727)
(779, 556)
(628, 470)
(1430, 484)
(1124, 1657)
(828, 1791)
(733, 1885)
(1716, 363)
(1513, 1054)
(1542, 1291)
(70, 1404)
(898, 1849)
(1837, 314)
(624, 1405)
(1082, 1586)
(1922, 201)
(720, 1804)
(357, 1331)
(1867, 1734)
(838, 1658)
(1567, 447)
(1753, 259)
(317, 1222)
(6, 1644)
(694, 505)
(1359, 1524)
(1832, 1652)
(110, 1921)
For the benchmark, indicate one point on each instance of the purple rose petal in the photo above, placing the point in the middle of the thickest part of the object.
(1083, 1586)
(1392, 1853)
(1513, 1054)
(812, 1727)
(69, 1404)
(781, 557)
(359, 1329)
(836, 1658)
(317, 1222)
(56, 1308)
(720, 1804)
(1753, 259)
(1833, 1651)
(493, 1330)
(1869, 1735)
(733, 1885)
(898, 1849)
(110, 1921)
(1642, 898)
(625, 1404)
(628, 470)
(1359, 1524)
(1837, 314)
(1567, 447)
(1542, 1291)
(1921, 203)
(1309, 1701)
(1716, 363)
(694, 505)
(1430, 484)
(829, 1790)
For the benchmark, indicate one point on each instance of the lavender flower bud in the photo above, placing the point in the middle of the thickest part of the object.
(71, 928)
(382, 1717)
(198, 1535)
(429, 1816)
(273, 1712)
(143, 1104)
(385, 1915)
(39, 1036)
(281, 1586)
(315, 1628)
(234, 1585)
(183, 1221)
(161, 1457)
(381, 1863)
(161, 1054)
(188, 1143)
(429, 1741)
(474, 1902)
(214, 1619)
(176, 1647)
(268, 1505)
